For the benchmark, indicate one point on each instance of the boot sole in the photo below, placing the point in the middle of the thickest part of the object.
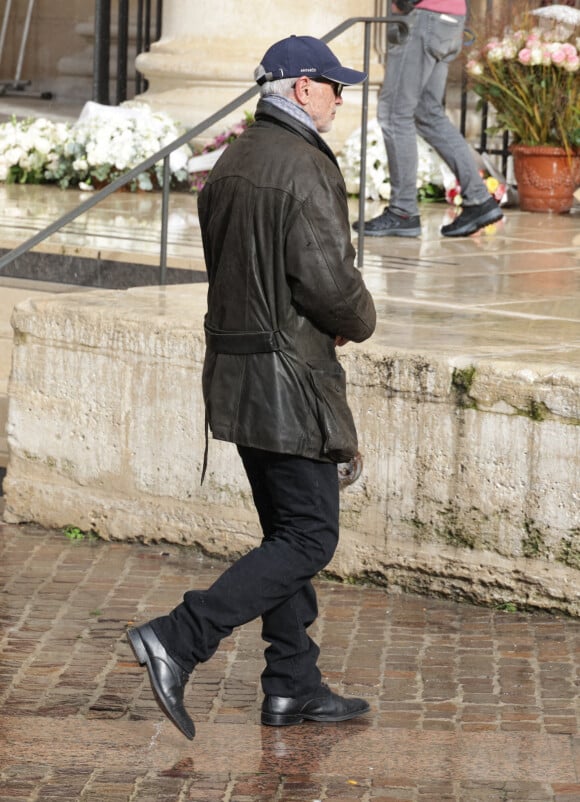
(138, 647)
(492, 217)
(287, 720)
(405, 232)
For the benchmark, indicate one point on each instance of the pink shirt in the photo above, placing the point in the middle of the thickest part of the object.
(457, 7)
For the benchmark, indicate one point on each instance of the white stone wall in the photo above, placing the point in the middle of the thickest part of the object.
(471, 481)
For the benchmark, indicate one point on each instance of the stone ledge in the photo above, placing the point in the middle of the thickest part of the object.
(472, 468)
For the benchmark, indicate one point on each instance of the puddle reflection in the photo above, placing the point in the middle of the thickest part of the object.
(304, 749)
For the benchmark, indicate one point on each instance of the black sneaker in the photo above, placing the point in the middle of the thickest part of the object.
(389, 224)
(472, 218)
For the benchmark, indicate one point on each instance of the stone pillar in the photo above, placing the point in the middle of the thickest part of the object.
(209, 49)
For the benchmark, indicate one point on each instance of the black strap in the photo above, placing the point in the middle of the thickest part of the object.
(241, 342)
(205, 453)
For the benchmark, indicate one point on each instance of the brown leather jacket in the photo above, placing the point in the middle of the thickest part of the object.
(282, 286)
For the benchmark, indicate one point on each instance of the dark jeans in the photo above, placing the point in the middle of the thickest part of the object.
(297, 503)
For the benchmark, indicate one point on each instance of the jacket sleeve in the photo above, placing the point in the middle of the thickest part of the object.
(326, 286)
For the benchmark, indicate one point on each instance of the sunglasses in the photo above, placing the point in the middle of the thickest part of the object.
(336, 88)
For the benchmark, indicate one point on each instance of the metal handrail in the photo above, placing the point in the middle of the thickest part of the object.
(165, 152)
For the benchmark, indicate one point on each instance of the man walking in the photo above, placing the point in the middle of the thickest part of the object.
(283, 294)
(411, 102)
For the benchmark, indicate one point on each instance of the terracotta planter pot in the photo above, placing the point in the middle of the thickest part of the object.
(546, 178)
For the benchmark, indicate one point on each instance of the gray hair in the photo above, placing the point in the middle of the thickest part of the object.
(283, 86)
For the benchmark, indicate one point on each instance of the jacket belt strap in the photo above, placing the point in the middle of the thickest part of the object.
(242, 342)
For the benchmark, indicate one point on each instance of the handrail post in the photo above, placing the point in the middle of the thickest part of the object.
(363, 147)
(164, 222)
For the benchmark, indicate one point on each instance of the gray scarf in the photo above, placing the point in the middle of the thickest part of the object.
(290, 108)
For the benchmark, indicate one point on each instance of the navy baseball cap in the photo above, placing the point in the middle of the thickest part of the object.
(304, 55)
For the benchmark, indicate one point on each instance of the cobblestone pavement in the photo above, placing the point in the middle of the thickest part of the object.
(467, 704)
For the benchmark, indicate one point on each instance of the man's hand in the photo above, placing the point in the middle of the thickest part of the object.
(338, 340)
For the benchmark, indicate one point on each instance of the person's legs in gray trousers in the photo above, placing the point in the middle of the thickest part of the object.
(411, 102)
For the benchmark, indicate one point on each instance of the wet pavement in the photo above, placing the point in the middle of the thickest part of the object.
(468, 704)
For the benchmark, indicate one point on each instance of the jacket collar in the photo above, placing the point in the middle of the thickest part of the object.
(272, 114)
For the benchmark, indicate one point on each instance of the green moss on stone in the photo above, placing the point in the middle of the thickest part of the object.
(462, 381)
(569, 553)
(19, 337)
(456, 536)
(538, 410)
(462, 378)
(533, 544)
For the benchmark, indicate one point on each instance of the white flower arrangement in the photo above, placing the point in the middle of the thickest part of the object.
(104, 143)
(431, 172)
(31, 151)
(107, 141)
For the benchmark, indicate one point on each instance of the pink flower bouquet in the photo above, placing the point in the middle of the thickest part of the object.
(530, 74)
